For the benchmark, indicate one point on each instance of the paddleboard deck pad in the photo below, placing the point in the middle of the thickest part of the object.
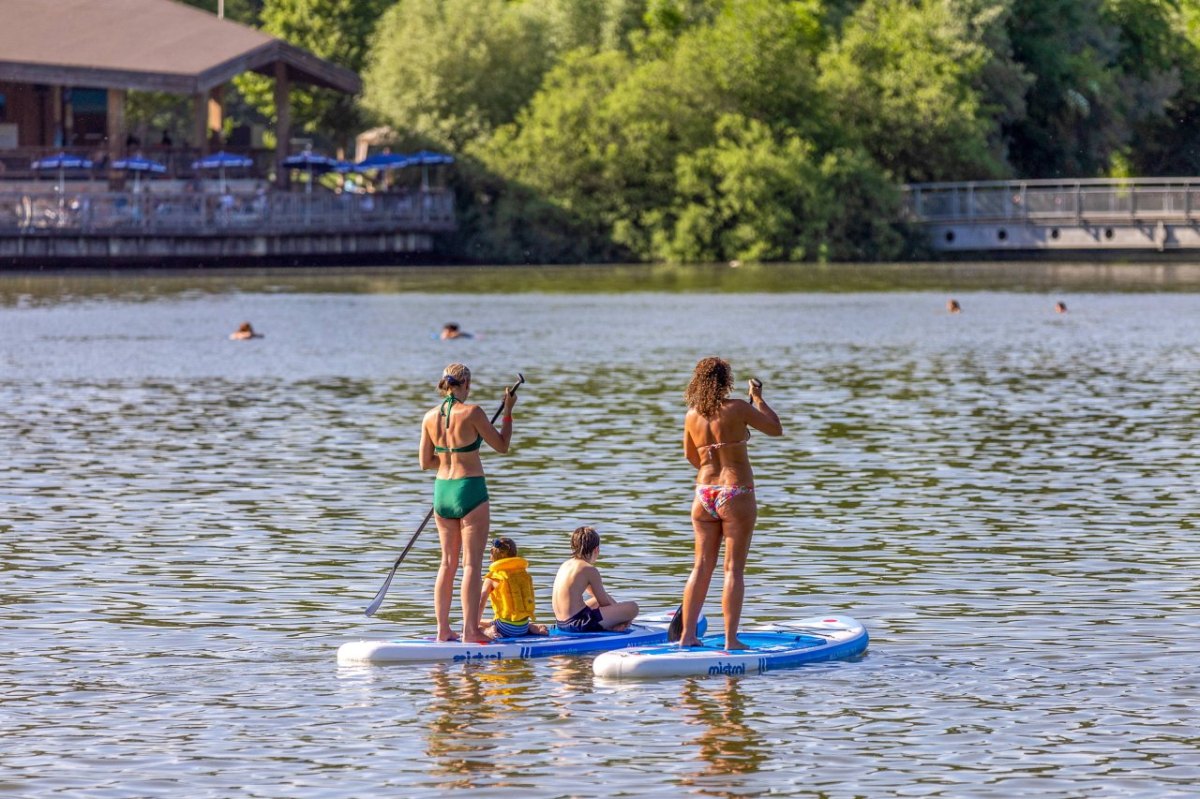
(651, 631)
(778, 646)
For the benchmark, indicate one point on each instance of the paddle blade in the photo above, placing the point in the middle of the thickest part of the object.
(378, 600)
(674, 629)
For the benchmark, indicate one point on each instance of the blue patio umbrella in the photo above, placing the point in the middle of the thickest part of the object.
(427, 158)
(311, 161)
(62, 162)
(221, 161)
(137, 165)
(383, 161)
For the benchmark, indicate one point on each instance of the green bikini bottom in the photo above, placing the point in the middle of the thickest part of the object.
(454, 499)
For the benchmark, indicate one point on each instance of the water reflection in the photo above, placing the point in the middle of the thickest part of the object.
(728, 745)
(36, 289)
(569, 677)
(471, 710)
(1006, 498)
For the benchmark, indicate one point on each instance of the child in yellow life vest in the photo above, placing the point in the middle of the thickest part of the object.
(510, 589)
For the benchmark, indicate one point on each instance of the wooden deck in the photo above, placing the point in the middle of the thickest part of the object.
(103, 228)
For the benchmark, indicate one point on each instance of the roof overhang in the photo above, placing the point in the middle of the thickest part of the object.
(149, 45)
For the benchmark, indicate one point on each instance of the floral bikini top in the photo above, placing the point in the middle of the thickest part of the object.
(720, 444)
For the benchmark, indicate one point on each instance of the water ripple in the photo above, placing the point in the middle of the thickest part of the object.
(193, 526)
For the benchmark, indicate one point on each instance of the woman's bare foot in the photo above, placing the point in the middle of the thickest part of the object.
(449, 635)
(690, 642)
(538, 629)
(479, 637)
(734, 644)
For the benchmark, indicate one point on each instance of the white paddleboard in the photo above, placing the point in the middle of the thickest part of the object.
(652, 630)
(777, 646)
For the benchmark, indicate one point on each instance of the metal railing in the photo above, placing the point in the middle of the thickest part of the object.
(48, 213)
(1140, 199)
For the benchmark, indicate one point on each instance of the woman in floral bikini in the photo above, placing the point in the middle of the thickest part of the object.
(715, 433)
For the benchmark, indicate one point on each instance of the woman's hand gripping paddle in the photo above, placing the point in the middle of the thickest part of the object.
(383, 589)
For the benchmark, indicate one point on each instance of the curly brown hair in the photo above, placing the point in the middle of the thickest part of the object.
(711, 383)
(453, 376)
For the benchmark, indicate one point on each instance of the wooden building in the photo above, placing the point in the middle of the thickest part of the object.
(66, 66)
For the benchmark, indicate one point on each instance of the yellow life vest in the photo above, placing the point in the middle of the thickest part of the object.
(512, 596)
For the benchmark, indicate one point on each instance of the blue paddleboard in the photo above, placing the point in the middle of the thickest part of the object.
(410, 650)
(779, 646)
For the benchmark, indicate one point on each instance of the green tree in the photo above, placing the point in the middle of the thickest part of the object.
(673, 18)
(1077, 110)
(500, 221)
(589, 24)
(758, 196)
(1160, 51)
(451, 71)
(906, 80)
(149, 114)
(563, 148)
(603, 136)
(746, 197)
(864, 223)
(337, 30)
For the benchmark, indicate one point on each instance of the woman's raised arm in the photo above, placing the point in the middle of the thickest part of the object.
(759, 414)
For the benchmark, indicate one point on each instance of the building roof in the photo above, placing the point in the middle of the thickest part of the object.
(152, 45)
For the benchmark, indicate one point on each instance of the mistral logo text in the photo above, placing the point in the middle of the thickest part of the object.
(727, 668)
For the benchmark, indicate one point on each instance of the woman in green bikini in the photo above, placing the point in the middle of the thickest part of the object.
(451, 435)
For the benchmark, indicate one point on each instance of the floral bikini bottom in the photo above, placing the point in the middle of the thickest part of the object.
(713, 498)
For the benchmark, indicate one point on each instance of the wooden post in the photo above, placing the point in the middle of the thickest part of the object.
(200, 123)
(116, 133)
(216, 115)
(68, 119)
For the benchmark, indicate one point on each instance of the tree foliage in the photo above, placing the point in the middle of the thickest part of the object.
(771, 129)
(451, 71)
(604, 136)
(339, 31)
(904, 79)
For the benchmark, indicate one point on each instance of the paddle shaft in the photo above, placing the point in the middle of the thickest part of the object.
(378, 600)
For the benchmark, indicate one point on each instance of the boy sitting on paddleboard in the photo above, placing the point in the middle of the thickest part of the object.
(576, 612)
(510, 589)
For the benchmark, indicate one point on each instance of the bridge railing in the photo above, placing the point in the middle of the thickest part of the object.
(1148, 199)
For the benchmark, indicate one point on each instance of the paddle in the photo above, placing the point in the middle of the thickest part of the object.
(378, 600)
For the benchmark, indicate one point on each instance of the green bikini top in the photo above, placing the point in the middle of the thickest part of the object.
(447, 405)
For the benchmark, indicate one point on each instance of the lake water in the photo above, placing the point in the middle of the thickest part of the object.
(1006, 497)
